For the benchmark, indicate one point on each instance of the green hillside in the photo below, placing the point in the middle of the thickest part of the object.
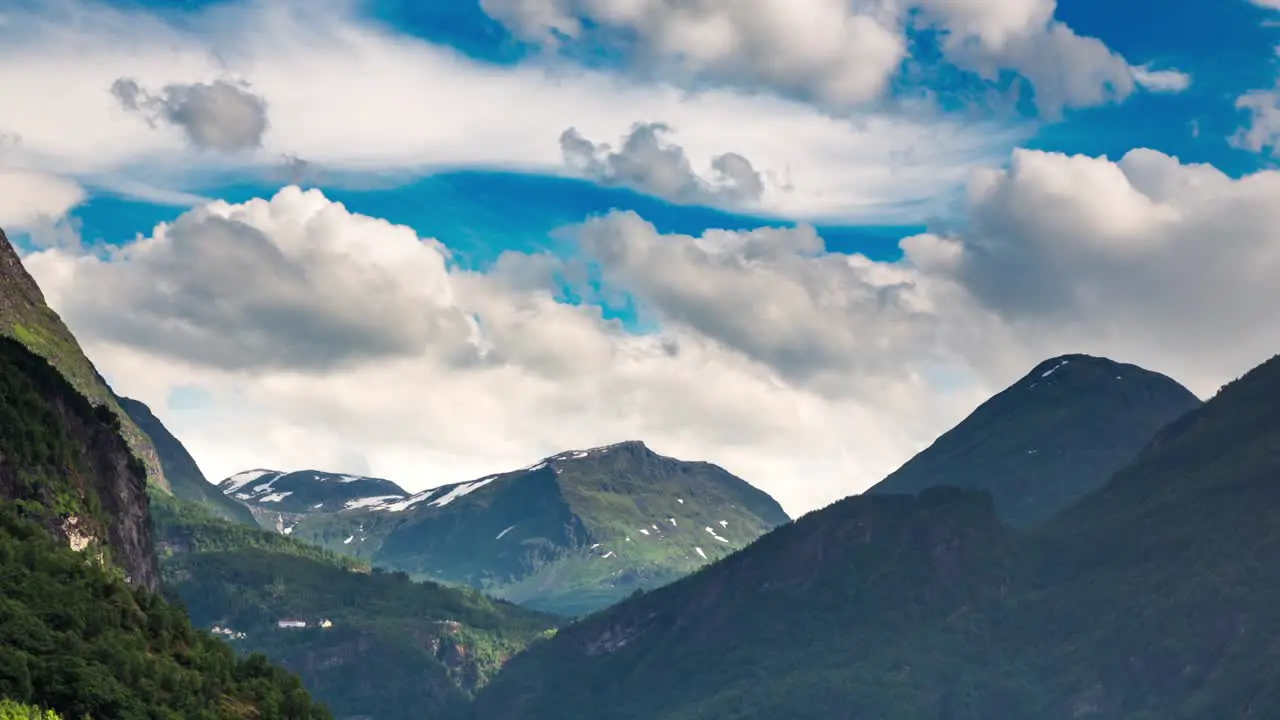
(76, 639)
(395, 648)
(25, 317)
(1152, 598)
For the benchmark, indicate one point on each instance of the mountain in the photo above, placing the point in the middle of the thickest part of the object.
(1151, 597)
(82, 631)
(394, 649)
(185, 478)
(25, 317)
(1050, 438)
(569, 534)
(278, 500)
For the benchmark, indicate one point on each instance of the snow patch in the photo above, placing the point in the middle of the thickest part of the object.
(350, 479)
(713, 534)
(680, 500)
(607, 555)
(239, 480)
(317, 506)
(348, 540)
(699, 551)
(644, 531)
(408, 502)
(276, 497)
(1053, 369)
(724, 524)
(593, 547)
(463, 489)
(628, 540)
(673, 522)
(369, 502)
(504, 532)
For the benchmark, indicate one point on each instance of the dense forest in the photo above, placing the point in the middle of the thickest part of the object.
(76, 639)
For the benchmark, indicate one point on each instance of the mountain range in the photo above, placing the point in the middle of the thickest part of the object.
(1150, 597)
(1093, 543)
(569, 534)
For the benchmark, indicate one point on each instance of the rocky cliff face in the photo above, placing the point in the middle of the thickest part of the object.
(25, 317)
(64, 461)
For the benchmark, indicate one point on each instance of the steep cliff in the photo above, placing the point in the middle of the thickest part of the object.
(64, 461)
(27, 318)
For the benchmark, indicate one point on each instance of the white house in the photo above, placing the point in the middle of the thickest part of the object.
(291, 623)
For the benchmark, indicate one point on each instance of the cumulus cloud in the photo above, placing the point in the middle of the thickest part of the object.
(810, 372)
(497, 116)
(650, 164)
(832, 52)
(221, 116)
(296, 282)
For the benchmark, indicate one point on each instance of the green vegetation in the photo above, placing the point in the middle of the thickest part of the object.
(10, 710)
(76, 639)
(1152, 598)
(65, 465)
(183, 527)
(25, 317)
(1050, 438)
(396, 648)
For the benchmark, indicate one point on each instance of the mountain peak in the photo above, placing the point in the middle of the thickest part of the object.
(627, 447)
(1051, 437)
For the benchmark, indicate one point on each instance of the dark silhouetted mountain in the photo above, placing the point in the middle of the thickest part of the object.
(1050, 438)
(1152, 597)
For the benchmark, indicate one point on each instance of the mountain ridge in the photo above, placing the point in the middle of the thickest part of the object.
(1151, 597)
(569, 533)
(1051, 437)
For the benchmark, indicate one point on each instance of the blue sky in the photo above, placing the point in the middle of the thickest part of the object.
(1228, 48)
(799, 238)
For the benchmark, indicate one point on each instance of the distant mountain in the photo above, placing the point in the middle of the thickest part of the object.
(569, 534)
(185, 478)
(1050, 438)
(278, 500)
(25, 317)
(1152, 597)
(393, 649)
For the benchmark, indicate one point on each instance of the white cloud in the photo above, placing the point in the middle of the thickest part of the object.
(1161, 81)
(836, 53)
(30, 197)
(1269, 4)
(432, 108)
(809, 372)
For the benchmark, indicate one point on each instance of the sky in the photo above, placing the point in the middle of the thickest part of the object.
(796, 238)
